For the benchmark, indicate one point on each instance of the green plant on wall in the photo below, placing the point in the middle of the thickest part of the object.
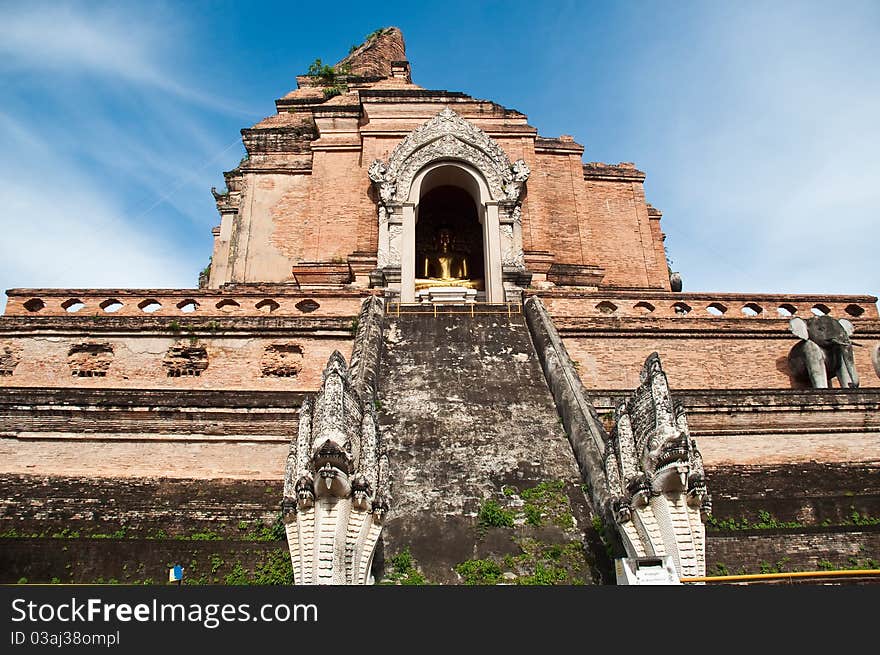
(403, 570)
(492, 515)
(332, 77)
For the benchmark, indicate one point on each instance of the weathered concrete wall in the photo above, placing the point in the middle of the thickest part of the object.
(466, 413)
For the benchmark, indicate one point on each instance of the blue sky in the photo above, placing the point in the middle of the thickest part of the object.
(756, 122)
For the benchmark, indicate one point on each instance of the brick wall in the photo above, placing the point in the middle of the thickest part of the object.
(138, 361)
(789, 550)
(696, 362)
(623, 242)
(159, 517)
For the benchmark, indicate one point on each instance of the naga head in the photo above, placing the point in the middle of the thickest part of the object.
(668, 464)
(361, 491)
(639, 490)
(621, 510)
(333, 464)
(305, 492)
(667, 453)
(380, 505)
(288, 509)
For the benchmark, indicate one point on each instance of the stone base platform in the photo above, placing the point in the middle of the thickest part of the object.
(446, 295)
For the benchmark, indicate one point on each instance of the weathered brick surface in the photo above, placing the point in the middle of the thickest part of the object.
(775, 448)
(142, 454)
(145, 362)
(374, 57)
(159, 518)
(143, 506)
(790, 550)
(811, 493)
(624, 242)
(131, 561)
(694, 362)
(822, 496)
(26, 412)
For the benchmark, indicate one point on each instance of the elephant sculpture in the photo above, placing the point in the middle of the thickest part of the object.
(824, 352)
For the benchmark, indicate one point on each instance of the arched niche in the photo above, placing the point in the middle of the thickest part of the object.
(449, 151)
(453, 184)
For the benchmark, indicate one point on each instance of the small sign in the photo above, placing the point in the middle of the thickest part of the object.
(175, 574)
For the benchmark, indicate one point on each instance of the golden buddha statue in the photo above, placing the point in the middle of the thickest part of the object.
(445, 267)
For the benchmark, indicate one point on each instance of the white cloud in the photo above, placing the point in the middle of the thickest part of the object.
(61, 38)
(128, 43)
(104, 145)
(60, 231)
(769, 171)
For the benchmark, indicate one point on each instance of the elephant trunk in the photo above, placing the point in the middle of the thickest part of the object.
(846, 372)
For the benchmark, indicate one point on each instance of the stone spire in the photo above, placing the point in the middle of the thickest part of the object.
(379, 55)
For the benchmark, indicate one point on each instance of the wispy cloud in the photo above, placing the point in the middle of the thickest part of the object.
(133, 45)
(107, 146)
(59, 231)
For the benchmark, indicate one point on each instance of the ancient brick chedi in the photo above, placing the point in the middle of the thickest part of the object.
(455, 352)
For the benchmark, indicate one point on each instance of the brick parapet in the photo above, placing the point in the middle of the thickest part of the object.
(613, 303)
(581, 326)
(150, 326)
(232, 300)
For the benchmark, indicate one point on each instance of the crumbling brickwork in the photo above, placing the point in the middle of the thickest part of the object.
(10, 355)
(282, 360)
(89, 360)
(185, 360)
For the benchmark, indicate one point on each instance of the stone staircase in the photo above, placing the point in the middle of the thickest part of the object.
(466, 417)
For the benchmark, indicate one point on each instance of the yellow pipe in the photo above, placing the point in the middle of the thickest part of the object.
(783, 576)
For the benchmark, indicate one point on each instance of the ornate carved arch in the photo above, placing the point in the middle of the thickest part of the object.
(448, 136)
